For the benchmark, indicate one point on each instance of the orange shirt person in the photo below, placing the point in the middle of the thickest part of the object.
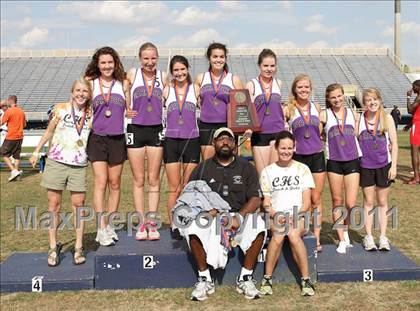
(15, 119)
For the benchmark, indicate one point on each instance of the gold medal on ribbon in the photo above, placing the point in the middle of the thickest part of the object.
(108, 113)
(79, 143)
(149, 108)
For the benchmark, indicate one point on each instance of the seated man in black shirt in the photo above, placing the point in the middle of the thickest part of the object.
(236, 181)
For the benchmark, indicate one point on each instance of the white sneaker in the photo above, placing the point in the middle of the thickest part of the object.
(13, 175)
(111, 233)
(141, 233)
(153, 233)
(103, 238)
(384, 243)
(347, 239)
(341, 249)
(369, 243)
(247, 287)
(202, 289)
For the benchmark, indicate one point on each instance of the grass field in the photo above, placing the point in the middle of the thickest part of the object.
(339, 296)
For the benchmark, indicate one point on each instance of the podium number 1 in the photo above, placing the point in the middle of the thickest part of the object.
(367, 275)
(37, 284)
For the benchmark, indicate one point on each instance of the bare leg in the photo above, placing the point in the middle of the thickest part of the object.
(198, 253)
(316, 200)
(136, 158)
(368, 204)
(78, 201)
(336, 186)
(251, 255)
(382, 199)
(100, 181)
(154, 163)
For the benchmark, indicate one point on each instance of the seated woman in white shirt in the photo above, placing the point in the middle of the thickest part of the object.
(286, 186)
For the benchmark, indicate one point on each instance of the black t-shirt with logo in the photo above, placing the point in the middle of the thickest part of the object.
(236, 183)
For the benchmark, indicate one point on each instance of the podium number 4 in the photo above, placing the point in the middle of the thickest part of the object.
(37, 284)
(367, 275)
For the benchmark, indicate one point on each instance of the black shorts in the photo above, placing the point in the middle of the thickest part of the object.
(375, 177)
(207, 131)
(181, 150)
(110, 149)
(258, 139)
(12, 148)
(343, 167)
(139, 136)
(315, 162)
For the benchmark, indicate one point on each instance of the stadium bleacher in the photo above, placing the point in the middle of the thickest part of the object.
(40, 79)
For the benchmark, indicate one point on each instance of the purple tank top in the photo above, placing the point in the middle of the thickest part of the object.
(214, 106)
(149, 108)
(114, 124)
(308, 138)
(273, 121)
(181, 123)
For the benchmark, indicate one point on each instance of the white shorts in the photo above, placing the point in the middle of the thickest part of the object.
(216, 253)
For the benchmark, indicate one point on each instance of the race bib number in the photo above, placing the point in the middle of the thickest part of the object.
(129, 139)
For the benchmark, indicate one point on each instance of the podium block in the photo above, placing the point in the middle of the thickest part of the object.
(19, 272)
(360, 265)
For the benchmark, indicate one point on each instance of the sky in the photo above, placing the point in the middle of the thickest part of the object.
(239, 24)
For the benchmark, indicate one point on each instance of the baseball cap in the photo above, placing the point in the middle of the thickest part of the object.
(223, 130)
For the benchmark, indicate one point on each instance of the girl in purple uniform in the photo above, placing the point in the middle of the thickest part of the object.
(215, 85)
(343, 155)
(181, 146)
(106, 145)
(144, 135)
(266, 95)
(378, 141)
(303, 117)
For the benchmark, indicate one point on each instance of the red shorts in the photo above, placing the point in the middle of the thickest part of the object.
(415, 134)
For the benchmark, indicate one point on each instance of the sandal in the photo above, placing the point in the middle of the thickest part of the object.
(319, 248)
(79, 256)
(412, 181)
(55, 259)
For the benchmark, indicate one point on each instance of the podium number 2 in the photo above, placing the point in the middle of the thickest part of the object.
(148, 262)
(367, 275)
(37, 284)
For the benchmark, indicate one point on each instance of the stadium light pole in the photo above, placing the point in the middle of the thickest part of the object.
(397, 34)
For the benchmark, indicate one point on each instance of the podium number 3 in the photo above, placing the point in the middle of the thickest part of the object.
(367, 275)
(37, 284)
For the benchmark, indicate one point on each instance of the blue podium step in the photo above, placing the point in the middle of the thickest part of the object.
(168, 264)
(360, 265)
(19, 272)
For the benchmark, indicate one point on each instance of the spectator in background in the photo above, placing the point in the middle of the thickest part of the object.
(413, 108)
(15, 119)
(396, 115)
(3, 108)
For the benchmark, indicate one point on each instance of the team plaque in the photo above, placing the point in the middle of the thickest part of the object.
(241, 112)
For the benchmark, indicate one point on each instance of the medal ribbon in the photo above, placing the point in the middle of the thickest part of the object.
(375, 125)
(179, 101)
(340, 126)
(213, 83)
(307, 118)
(79, 126)
(267, 95)
(149, 88)
(107, 96)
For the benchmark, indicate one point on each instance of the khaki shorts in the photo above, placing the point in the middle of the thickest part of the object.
(60, 176)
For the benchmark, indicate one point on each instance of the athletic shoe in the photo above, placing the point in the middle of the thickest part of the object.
(153, 233)
(247, 287)
(202, 289)
(103, 238)
(308, 288)
(175, 234)
(266, 285)
(341, 249)
(111, 233)
(369, 243)
(141, 234)
(13, 175)
(347, 239)
(384, 243)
